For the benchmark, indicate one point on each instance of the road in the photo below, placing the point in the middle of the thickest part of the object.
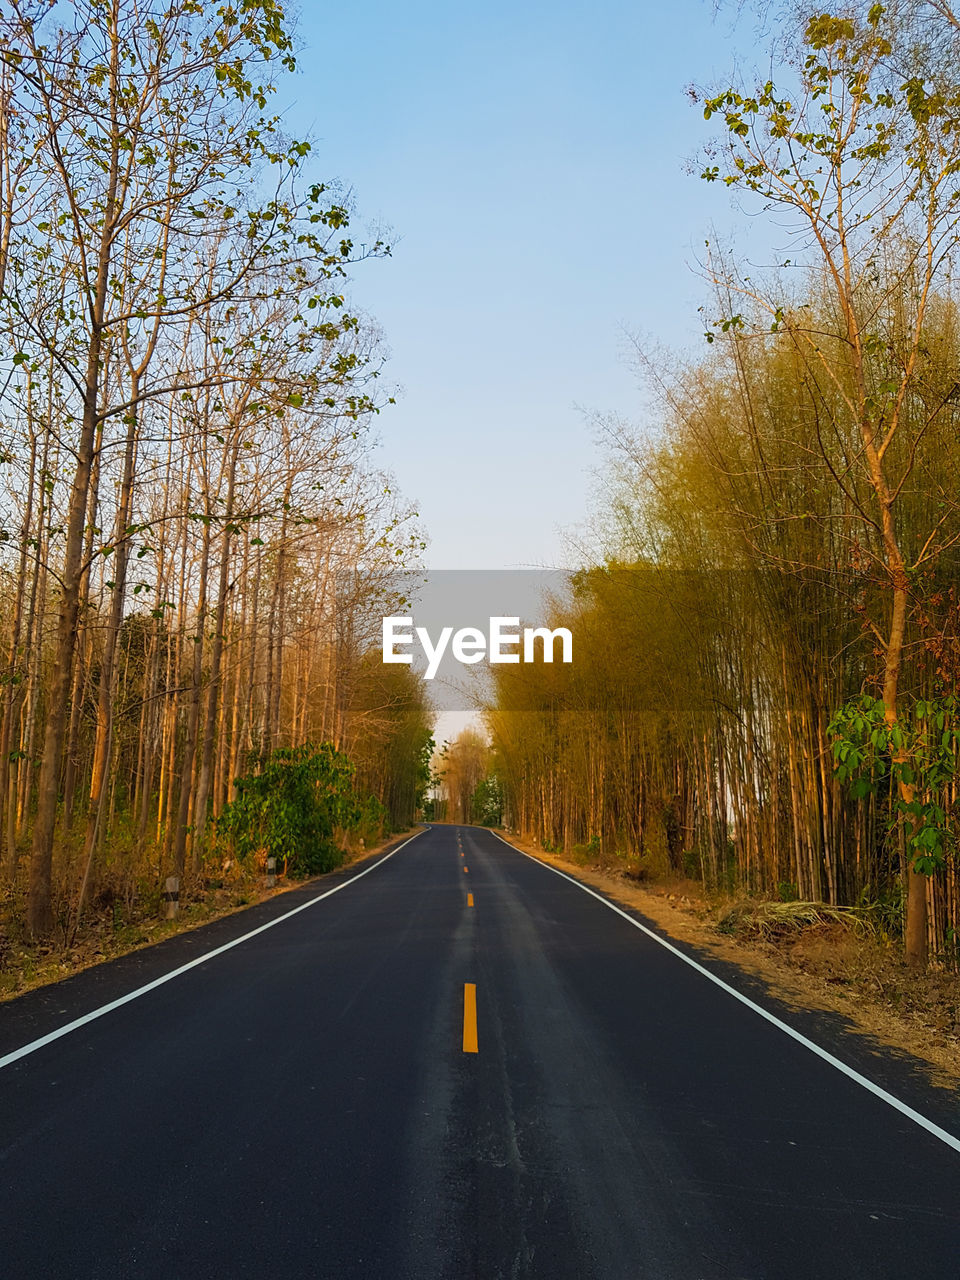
(319, 1101)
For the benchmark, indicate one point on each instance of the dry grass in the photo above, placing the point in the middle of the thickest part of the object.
(769, 920)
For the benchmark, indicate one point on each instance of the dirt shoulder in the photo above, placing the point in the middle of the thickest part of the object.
(117, 931)
(826, 966)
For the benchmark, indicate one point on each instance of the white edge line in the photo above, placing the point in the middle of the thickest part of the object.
(65, 1030)
(875, 1089)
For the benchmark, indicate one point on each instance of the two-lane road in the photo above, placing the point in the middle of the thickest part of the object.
(324, 1099)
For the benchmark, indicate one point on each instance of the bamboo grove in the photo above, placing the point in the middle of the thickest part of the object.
(768, 655)
(186, 400)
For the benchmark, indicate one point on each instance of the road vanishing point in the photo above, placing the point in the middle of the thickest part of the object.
(454, 1061)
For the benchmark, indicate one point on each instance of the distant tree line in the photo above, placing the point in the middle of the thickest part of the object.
(464, 786)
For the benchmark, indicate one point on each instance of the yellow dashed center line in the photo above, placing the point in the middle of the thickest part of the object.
(469, 899)
(465, 870)
(469, 1017)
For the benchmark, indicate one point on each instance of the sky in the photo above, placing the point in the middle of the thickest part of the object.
(530, 162)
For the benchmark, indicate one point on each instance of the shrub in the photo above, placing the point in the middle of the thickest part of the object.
(373, 820)
(291, 808)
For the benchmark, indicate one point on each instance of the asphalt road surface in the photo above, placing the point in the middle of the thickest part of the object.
(459, 1065)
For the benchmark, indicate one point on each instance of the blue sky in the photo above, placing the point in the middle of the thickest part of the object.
(529, 160)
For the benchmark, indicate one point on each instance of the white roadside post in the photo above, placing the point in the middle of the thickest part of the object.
(172, 897)
(271, 872)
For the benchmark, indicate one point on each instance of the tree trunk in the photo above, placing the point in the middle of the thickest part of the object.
(40, 905)
(193, 715)
(105, 699)
(216, 656)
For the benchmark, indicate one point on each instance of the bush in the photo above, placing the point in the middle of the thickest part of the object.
(291, 809)
(373, 820)
(588, 852)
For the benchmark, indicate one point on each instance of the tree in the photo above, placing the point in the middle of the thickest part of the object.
(864, 157)
(486, 803)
